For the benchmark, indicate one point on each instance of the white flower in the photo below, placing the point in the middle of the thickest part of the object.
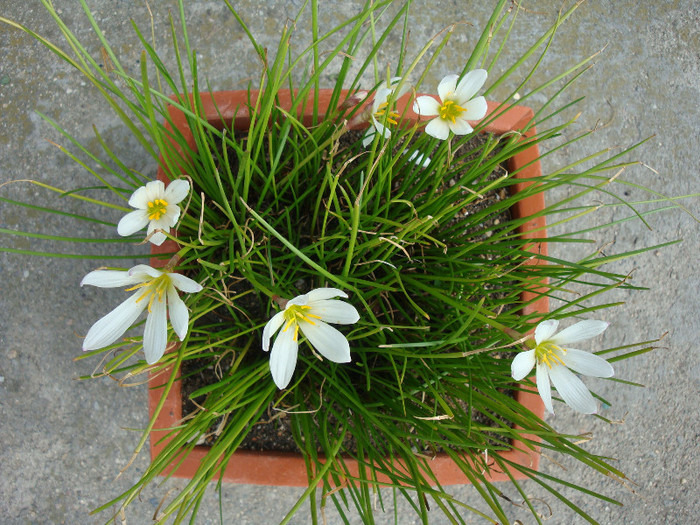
(309, 313)
(155, 290)
(156, 206)
(552, 360)
(381, 112)
(419, 159)
(456, 105)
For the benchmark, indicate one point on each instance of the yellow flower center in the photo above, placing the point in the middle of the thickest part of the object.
(295, 313)
(156, 209)
(450, 111)
(548, 354)
(155, 288)
(391, 117)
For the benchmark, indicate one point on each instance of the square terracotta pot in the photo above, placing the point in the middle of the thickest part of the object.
(289, 469)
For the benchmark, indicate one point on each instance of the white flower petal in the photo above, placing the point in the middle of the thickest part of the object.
(542, 376)
(155, 334)
(381, 129)
(283, 358)
(184, 284)
(178, 313)
(376, 128)
(334, 311)
(545, 330)
(469, 85)
(177, 191)
(328, 341)
(139, 199)
(155, 190)
(572, 390)
(301, 300)
(438, 128)
(380, 98)
(165, 222)
(579, 332)
(418, 158)
(426, 106)
(271, 327)
(475, 109)
(109, 279)
(113, 325)
(586, 363)
(522, 364)
(132, 222)
(157, 238)
(169, 219)
(447, 86)
(144, 272)
(460, 127)
(319, 294)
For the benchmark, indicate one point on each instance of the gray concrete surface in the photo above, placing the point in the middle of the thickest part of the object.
(63, 441)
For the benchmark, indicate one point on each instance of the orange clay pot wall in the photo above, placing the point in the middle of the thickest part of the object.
(224, 108)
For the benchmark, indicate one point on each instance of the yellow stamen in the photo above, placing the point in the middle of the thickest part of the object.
(548, 354)
(450, 111)
(295, 314)
(140, 285)
(156, 209)
(155, 288)
(391, 118)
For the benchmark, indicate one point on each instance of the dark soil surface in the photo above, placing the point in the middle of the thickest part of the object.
(272, 432)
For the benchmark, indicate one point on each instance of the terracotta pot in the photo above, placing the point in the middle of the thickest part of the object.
(289, 469)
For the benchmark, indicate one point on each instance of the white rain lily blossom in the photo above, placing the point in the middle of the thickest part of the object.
(381, 110)
(419, 159)
(554, 361)
(156, 291)
(456, 106)
(308, 313)
(157, 207)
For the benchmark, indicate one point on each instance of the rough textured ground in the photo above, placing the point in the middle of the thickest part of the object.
(63, 441)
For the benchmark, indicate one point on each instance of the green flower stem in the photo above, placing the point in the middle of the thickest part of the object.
(355, 221)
